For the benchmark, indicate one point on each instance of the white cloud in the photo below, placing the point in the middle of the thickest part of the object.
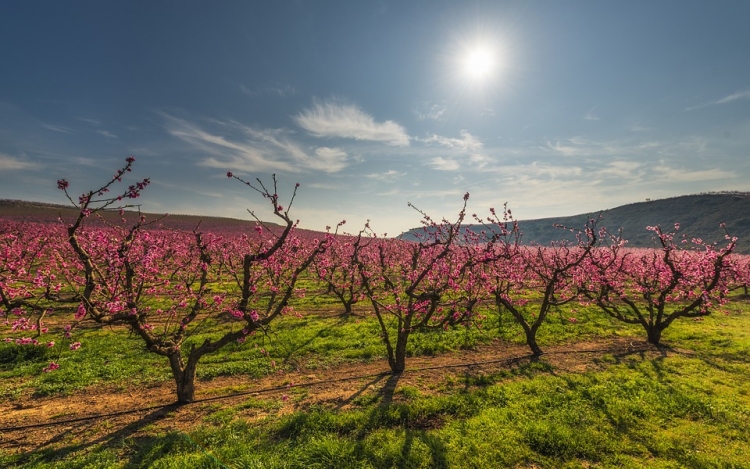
(332, 119)
(281, 90)
(238, 156)
(431, 111)
(107, 133)
(621, 169)
(479, 160)
(639, 128)
(330, 160)
(325, 186)
(389, 176)
(581, 147)
(467, 141)
(58, 128)
(682, 175)
(444, 164)
(244, 148)
(590, 116)
(726, 99)
(9, 163)
(89, 121)
(734, 97)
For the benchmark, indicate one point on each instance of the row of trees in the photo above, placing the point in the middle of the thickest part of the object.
(167, 286)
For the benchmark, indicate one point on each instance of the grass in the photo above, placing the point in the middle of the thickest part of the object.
(638, 412)
(112, 357)
(687, 407)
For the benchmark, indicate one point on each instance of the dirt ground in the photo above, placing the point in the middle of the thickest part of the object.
(31, 424)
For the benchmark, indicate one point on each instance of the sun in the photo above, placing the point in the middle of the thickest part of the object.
(475, 64)
(480, 62)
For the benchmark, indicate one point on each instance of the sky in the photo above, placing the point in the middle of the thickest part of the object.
(555, 108)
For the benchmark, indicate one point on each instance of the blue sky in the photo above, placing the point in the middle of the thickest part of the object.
(569, 107)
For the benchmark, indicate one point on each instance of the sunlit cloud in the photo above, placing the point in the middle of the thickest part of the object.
(621, 169)
(431, 111)
(330, 160)
(238, 156)
(683, 175)
(444, 164)
(390, 176)
(9, 163)
(582, 147)
(467, 141)
(333, 119)
(238, 147)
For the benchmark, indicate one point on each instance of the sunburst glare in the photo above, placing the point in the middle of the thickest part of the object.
(480, 63)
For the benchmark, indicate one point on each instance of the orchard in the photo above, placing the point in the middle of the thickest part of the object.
(162, 285)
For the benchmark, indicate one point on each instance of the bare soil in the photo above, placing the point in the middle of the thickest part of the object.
(108, 414)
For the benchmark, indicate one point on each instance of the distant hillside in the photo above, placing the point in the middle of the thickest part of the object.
(699, 216)
(45, 213)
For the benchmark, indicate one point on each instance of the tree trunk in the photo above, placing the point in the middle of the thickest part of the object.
(398, 362)
(654, 334)
(531, 341)
(184, 378)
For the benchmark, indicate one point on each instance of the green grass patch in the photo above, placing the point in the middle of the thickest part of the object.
(639, 412)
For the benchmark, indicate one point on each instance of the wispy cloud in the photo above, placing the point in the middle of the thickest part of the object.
(390, 176)
(734, 97)
(282, 90)
(590, 116)
(89, 121)
(725, 100)
(431, 111)
(324, 186)
(444, 164)
(582, 147)
(333, 119)
(487, 112)
(467, 141)
(639, 128)
(9, 163)
(58, 128)
(683, 175)
(106, 133)
(238, 147)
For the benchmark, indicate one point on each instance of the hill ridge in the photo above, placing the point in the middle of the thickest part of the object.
(699, 216)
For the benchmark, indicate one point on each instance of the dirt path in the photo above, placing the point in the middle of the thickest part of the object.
(149, 410)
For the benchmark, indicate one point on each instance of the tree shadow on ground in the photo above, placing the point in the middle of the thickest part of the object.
(142, 452)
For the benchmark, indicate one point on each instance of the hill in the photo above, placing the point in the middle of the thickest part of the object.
(21, 210)
(699, 216)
